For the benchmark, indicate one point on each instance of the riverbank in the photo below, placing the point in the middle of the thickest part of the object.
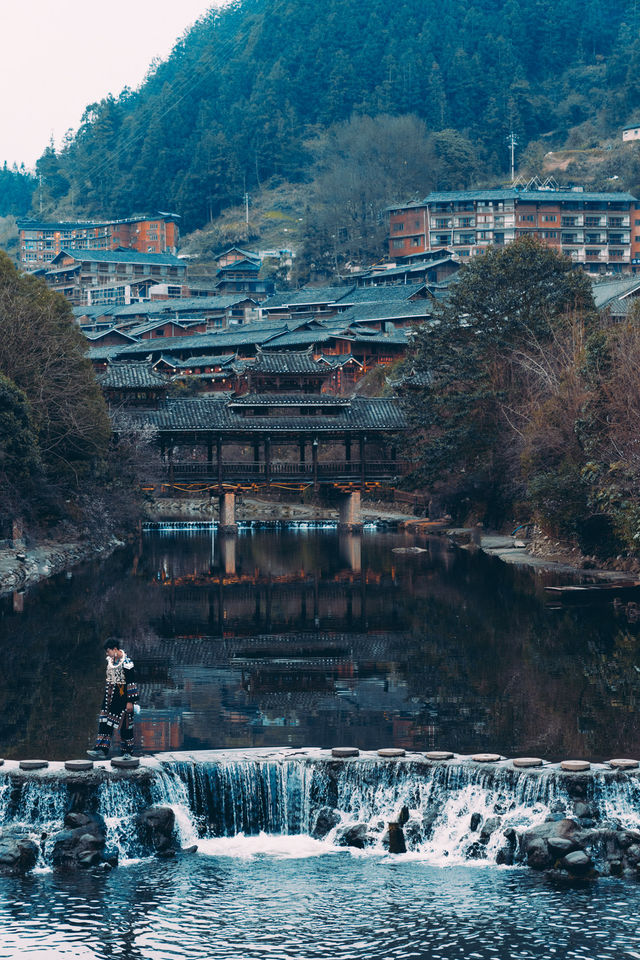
(22, 566)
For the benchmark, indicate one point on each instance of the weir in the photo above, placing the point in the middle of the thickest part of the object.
(451, 811)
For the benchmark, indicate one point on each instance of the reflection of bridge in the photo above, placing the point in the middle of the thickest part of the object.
(279, 439)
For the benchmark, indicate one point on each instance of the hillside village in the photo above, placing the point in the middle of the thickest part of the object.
(153, 322)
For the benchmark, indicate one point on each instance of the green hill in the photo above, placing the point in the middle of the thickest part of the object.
(246, 91)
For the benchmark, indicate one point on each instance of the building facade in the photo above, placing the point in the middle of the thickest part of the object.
(78, 274)
(599, 231)
(40, 242)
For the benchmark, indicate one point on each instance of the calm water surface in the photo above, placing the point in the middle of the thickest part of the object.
(310, 638)
(296, 907)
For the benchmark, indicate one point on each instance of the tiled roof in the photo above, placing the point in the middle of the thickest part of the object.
(105, 352)
(232, 337)
(308, 295)
(284, 362)
(526, 196)
(367, 312)
(204, 361)
(213, 413)
(130, 376)
(122, 256)
(419, 266)
(609, 290)
(138, 330)
(289, 400)
(390, 293)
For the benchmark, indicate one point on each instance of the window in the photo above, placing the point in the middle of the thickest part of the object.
(615, 221)
(415, 241)
(442, 224)
(398, 226)
(550, 234)
(417, 223)
(397, 244)
(527, 216)
(568, 221)
(549, 218)
(466, 221)
(592, 221)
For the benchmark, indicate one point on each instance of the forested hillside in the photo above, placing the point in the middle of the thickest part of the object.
(245, 94)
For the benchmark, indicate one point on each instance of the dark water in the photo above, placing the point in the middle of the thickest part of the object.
(313, 908)
(311, 639)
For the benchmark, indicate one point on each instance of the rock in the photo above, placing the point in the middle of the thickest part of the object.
(439, 755)
(111, 856)
(578, 864)
(474, 823)
(559, 846)
(403, 816)
(538, 854)
(122, 763)
(79, 846)
(615, 868)
(510, 836)
(73, 820)
(192, 849)
(345, 752)
(575, 766)
(486, 757)
(18, 855)
(352, 836)
(488, 827)
(391, 752)
(527, 762)
(396, 839)
(633, 853)
(33, 764)
(505, 856)
(326, 819)
(156, 829)
(582, 811)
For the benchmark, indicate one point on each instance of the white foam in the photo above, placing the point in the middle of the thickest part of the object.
(278, 846)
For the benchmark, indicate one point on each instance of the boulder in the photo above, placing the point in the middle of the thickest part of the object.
(352, 836)
(474, 823)
(488, 827)
(505, 856)
(156, 830)
(577, 863)
(396, 839)
(538, 857)
(559, 846)
(18, 855)
(325, 820)
(582, 810)
(413, 832)
(79, 846)
(403, 816)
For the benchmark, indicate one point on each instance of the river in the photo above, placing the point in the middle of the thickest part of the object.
(298, 638)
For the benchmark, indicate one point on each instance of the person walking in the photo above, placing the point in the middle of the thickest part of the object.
(120, 699)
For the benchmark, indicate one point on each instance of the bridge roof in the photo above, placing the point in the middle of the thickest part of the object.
(219, 414)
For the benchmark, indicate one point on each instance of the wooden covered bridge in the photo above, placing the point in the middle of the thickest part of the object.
(223, 444)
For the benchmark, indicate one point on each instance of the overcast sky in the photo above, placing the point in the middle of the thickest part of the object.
(58, 56)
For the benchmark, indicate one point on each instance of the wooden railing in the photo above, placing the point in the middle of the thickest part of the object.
(234, 471)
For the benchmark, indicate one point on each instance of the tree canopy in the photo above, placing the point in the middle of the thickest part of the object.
(246, 91)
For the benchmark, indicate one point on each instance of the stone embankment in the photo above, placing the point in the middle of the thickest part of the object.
(22, 565)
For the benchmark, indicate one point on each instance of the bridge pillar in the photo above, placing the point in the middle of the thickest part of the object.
(227, 524)
(228, 554)
(350, 517)
(350, 545)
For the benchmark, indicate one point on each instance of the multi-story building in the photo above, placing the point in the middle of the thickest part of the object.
(599, 231)
(40, 242)
(78, 275)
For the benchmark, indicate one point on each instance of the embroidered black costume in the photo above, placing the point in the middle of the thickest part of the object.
(121, 689)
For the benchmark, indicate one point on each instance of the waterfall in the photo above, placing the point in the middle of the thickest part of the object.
(451, 812)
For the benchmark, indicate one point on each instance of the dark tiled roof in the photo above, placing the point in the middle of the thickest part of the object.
(213, 413)
(284, 362)
(204, 361)
(390, 293)
(366, 312)
(122, 256)
(130, 376)
(308, 295)
(525, 196)
(232, 337)
(106, 352)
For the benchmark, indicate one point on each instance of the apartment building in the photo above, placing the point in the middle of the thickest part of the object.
(96, 277)
(599, 231)
(40, 242)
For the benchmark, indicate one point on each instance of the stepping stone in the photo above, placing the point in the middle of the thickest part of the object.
(123, 764)
(624, 764)
(33, 764)
(78, 764)
(1, 762)
(575, 766)
(439, 755)
(527, 762)
(486, 757)
(388, 752)
(345, 752)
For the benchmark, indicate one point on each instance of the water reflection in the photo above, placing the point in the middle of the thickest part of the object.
(311, 638)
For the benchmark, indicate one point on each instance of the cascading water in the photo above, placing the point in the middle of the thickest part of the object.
(451, 812)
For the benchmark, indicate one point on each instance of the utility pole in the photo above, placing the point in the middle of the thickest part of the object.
(40, 181)
(511, 142)
(246, 208)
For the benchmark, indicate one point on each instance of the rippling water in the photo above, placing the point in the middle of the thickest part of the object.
(262, 900)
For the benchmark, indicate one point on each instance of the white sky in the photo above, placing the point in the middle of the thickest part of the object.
(58, 56)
